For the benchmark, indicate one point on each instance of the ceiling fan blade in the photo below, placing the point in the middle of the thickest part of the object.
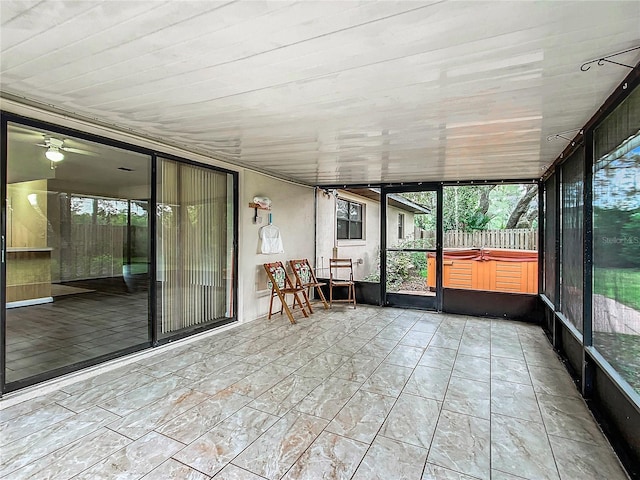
(80, 151)
(25, 136)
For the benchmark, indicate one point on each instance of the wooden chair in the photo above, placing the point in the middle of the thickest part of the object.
(337, 279)
(281, 285)
(307, 279)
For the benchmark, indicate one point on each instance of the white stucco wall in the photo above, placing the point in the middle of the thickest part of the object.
(366, 249)
(293, 213)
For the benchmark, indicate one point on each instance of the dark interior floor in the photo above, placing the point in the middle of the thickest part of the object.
(105, 317)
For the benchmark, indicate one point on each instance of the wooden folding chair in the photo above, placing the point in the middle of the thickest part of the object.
(281, 285)
(337, 279)
(307, 279)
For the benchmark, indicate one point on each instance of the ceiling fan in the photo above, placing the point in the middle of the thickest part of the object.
(56, 149)
(56, 146)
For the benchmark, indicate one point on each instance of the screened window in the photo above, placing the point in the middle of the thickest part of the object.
(349, 218)
(550, 233)
(616, 240)
(571, 267)
(401, 226)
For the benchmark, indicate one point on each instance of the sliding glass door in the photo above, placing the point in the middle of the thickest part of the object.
(76, 253)
(107, 249)
(195, 251)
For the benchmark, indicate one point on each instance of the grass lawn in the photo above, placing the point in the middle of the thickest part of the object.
(621, 284)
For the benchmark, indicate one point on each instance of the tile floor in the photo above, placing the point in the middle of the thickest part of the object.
(370, 393)
(74, 328)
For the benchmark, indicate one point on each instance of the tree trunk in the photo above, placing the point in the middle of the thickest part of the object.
(522, 206)
(483, 202)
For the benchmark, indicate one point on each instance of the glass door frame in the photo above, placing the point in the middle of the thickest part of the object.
(407, 300)
(153, 340)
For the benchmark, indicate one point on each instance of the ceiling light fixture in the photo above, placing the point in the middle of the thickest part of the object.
(54, 154)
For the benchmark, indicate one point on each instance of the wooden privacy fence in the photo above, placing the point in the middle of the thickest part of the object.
(516, 238)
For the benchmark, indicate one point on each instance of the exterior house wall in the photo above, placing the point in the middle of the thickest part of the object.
(366, 249)
(292, 209)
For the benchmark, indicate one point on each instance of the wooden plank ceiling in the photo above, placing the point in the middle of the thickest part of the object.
(328, 92)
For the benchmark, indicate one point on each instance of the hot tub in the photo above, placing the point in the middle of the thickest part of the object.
(492, 269)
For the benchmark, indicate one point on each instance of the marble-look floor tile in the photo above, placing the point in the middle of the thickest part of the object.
(231, 472)
(74, 457)
(514, 400)
(133, 400)
(428, 382)
(510, 370)
(412, 420)
(258, 382)
(328, 398)
(212, 451)
(435, 472)
(507, 348)
(225, 377)
(388, 459)
(404, 356)
(29, 406)
(584, 460)
(283, 396)
(330, 456)
(542, 356)
(416, 338)
(301, 356)
(322, 366)
(347, 345)
(388, 380)
(200, 419)
(378, 347)
(134, 460)
(469, 345)
(438, 358)
(462, 443)
(468, 397)
(103, 392)
(25, 425)
(209, 365)
(361, 417)
(474, 368)
(393, 332)
(102, 379)
(367, 331)
(445, 340)
(279, 447)
(498, 475)
(358, 368)
(141, 422)
(172, 470)
(521, 447)
(43, 442)
(179, 362)
(552, 381)
(569, 417)
(426, 325)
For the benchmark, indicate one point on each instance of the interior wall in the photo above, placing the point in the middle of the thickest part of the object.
(292, 210)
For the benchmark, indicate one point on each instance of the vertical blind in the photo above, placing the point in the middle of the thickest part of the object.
(195, 215)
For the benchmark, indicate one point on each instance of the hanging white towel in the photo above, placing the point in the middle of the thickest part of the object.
(271, 240)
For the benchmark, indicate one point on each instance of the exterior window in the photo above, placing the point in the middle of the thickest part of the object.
(401, 226)
(349, 220)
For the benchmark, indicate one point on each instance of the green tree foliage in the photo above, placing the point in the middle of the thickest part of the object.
(481, 207)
